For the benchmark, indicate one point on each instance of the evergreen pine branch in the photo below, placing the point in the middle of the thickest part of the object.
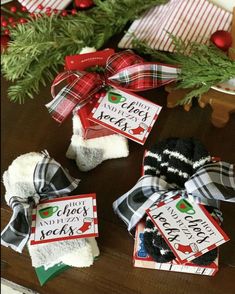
(201, 66)
(38, 48)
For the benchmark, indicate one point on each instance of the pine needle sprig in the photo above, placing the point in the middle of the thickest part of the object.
(201, 66)
(38, 48)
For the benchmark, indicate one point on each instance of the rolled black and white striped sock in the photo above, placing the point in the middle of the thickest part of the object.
(175, 160)
(155, 245)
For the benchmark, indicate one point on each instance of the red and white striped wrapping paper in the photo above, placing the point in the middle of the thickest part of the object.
(191, 20)
(32, 5)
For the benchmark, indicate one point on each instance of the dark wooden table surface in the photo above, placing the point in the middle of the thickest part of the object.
(29, 127)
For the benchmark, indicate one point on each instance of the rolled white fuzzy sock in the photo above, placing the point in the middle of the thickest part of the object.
(77, 253)
(83, 257)
(77, 125)
(90, 153)
(18, 178)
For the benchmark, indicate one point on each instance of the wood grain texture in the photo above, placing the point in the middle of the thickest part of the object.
(29, 127)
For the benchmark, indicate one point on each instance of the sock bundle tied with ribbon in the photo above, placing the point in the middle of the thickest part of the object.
(124, 70)
(210, 183)
(176, 167)
(50, 180)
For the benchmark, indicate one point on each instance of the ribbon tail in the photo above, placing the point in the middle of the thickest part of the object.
(212, 183)
(16, 233)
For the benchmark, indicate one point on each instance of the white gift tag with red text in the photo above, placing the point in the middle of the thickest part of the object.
(64, 218)
(126, 113)
(188, 228)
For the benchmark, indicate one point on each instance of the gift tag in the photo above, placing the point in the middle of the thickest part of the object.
(188, 228)
(126, 113)
(64, 218)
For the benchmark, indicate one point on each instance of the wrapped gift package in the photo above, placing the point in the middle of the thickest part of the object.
(143, 260)
(81, 62)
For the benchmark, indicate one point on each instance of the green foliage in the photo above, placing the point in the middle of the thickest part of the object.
(201, 66)
(39, 47)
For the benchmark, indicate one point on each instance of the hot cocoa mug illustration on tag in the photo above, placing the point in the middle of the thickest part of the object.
(185, 207)
(48, 211)
(115, 98)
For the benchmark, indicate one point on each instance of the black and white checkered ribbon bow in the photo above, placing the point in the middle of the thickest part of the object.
(211, 183)
(50, 180)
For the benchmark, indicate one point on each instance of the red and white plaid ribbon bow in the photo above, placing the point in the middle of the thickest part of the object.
(124, 70)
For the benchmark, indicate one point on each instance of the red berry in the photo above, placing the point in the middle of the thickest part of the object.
(40, 7)
(48, 9)
(102, 93)
(97, 95)
(14, 25)
(73, 11)
(4, 23)
(22, 20)
(64, 13)
(11, 19)
(55, 11)
(32, 15)
(7, 32)
(13, 9)
(48, 13)
(23, 8)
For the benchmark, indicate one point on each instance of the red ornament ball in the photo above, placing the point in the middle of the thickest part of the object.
(84, 4)
(221, 39)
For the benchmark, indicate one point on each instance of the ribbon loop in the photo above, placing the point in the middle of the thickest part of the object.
(122, 60)
(81, 87)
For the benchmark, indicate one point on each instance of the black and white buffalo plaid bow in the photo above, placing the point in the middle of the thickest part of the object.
(211, 183)
(50, 180)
